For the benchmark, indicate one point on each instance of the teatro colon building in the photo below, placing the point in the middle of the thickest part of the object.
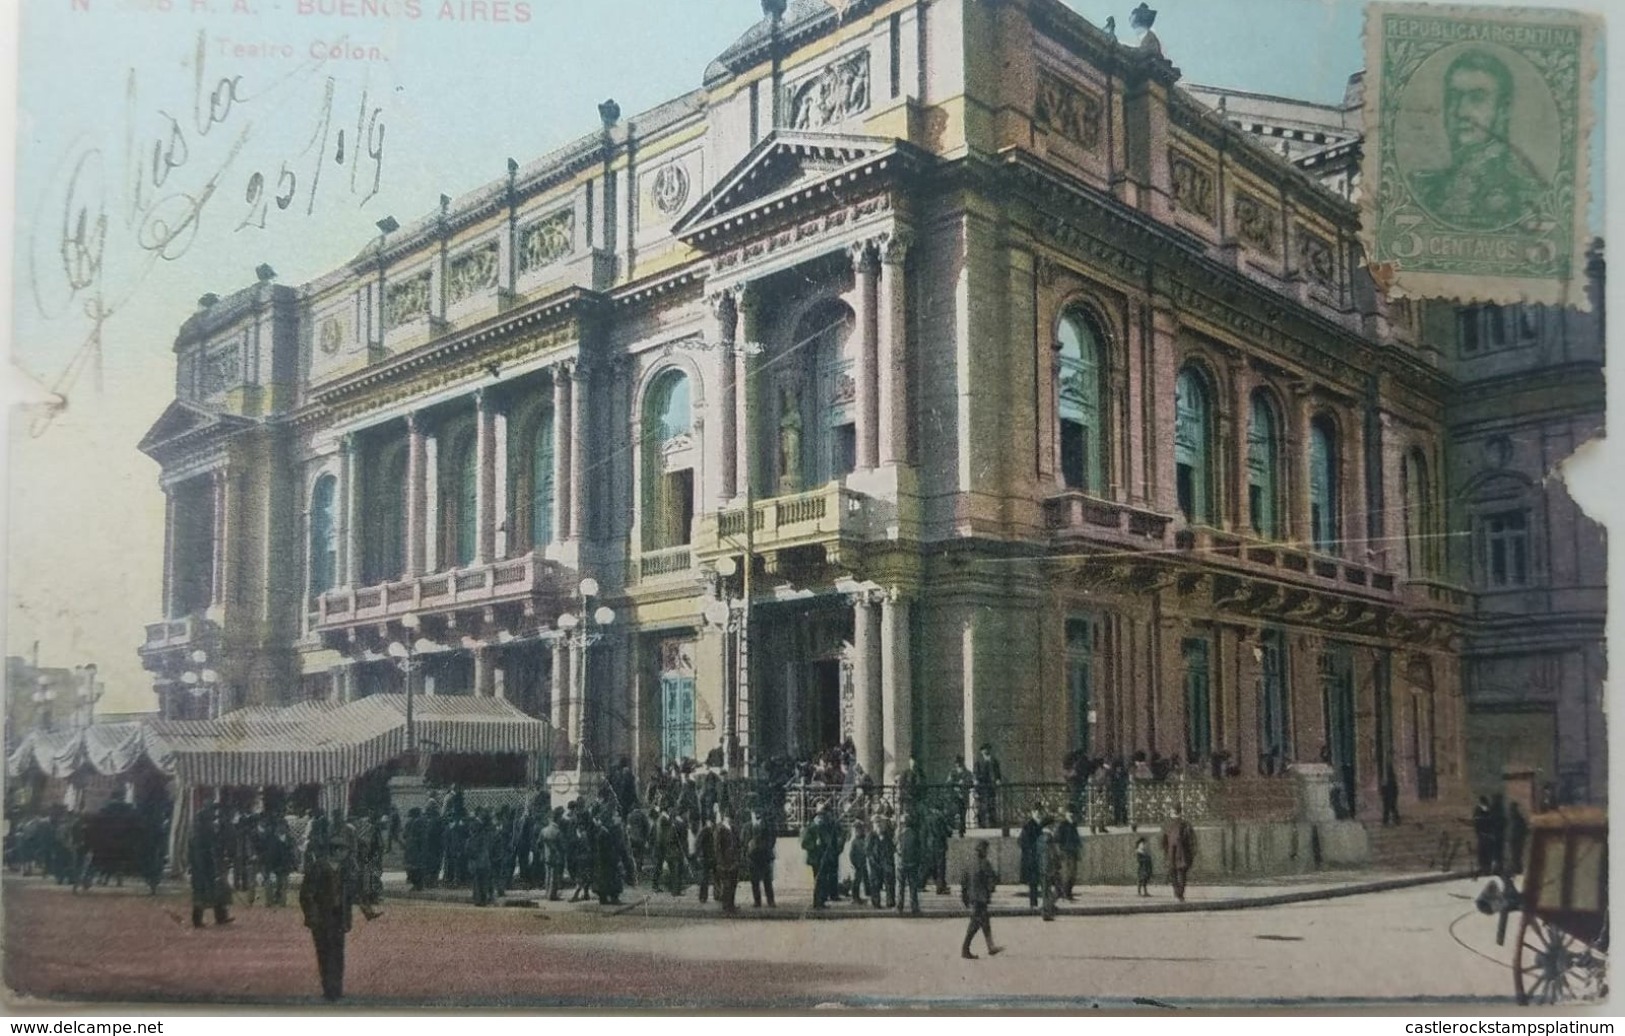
(936, 373)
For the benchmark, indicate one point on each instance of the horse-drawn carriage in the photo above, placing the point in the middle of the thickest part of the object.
(1562, 940)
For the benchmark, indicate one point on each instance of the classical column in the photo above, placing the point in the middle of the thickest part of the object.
(867, 268)
(485, 459)
(897, 686)
(416, 495)
(726, 313)
(561, 452)
(350, 516)
(578, 427)
(217, 553)
(891, 329)
(484, 672)
(866, 718)
(1356, 491)
(1296, 469)
(559, 687)
(169, 553)
(1241, 408)
(578, 699)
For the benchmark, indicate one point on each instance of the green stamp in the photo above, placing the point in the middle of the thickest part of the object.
(1476, 162)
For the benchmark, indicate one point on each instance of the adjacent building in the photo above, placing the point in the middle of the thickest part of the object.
(935, 374)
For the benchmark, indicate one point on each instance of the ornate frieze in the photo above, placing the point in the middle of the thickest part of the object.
(472, 272)
(1193, 184)
(1256, 223)
(1068, 110)
(547, 240)
(1315, 257)
(406, 300)
(832, 95)
(806, 230)
(1082, 244)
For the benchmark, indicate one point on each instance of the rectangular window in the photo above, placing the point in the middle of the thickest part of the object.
(679, 511)
(1274, 734)
(896, 32)
(1198, 701)
(677, 718)
(1337, 700)
(1495, 326)
(1467, 330)
(1506, 549)
(1080, 666)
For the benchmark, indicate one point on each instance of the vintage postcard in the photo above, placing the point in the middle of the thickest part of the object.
(776, 505)
(1478, 147)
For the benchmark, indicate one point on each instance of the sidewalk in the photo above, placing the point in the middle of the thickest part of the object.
(1010, 901)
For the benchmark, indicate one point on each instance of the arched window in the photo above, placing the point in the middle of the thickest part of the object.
(668, 464)
(1418, 515)
(1079, 403)
(1193, 455)
(459, 497)
(1323, 497)
(1263, 455)
(383, 522)
(324, 536)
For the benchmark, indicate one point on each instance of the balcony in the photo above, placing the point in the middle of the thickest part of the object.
(1074, 515)
(170, 635)
(1248, 556)
(667, 564)
(1432, 595)
(830, 516)
(502, 582)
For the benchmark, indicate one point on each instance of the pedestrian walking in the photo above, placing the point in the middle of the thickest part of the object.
(1179, 849)
(1032, 831)
(883, 860)
(725, 842)
(1142, 863)
(1049, 861)
(705, 857)
(910, 863)
(976, 892)
(1070, 843)
(858, 856)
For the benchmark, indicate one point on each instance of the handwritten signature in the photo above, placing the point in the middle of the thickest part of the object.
(166, 188)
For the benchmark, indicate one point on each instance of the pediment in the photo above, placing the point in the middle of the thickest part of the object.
(186, 421)
(784, 164)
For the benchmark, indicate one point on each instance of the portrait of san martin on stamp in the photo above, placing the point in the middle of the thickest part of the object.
(787, 505)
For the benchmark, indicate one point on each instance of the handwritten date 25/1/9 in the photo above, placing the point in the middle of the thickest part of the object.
(363, 153)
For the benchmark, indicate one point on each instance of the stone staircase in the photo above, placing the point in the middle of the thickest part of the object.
(1436, 840)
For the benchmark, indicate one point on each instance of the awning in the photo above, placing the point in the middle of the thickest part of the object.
(109, 749)
(326, 742)
(309, 743)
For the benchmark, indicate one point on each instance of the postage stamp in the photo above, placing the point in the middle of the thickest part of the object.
(1476, 163)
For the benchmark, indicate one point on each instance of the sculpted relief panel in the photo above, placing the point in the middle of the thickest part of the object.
(406, 300)
(1068, 110)
(472, 272)
(1193, 185)
(1256, 223)
(1315, 258)
(547, 240)
(836, 93)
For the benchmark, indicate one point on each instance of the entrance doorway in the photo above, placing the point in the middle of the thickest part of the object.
(826, 703)
(1337, 691)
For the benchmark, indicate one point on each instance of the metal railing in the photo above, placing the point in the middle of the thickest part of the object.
(1139, 802)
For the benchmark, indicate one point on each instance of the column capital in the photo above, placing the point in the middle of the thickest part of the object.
(724, 302)
(893, 246)
(864, 257)
(565, 370)
(347, 442)
(414, 422)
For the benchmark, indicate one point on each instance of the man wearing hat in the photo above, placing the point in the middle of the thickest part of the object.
(988, 776)
(208, 852)
(976, 892)
(1179, 849)
(822, 844)
(325, 899)
(1032, 858)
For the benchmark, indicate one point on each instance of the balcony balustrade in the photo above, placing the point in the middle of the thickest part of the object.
(173, 634)
(826, 516)
(508, 580)
(1230, 551)
(669, 563)
(1075, 515)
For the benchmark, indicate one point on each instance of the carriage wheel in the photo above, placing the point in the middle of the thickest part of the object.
(1552, 966)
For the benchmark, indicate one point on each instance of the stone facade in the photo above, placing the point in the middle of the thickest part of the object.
(937, 374)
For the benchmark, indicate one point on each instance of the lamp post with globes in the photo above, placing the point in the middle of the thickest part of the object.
(204, 683)
(88, 694)
(727, 614)
(406, 654)
(576, 631)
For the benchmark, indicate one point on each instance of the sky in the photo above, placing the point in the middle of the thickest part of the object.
(452, 101)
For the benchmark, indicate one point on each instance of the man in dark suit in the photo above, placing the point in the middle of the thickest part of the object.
(988, 777)
(1069, 843)
(725, 844)
(1179, 849)
(1032, 862)
(759, 852)
(976, 892)
(208, 858)
(325, 899)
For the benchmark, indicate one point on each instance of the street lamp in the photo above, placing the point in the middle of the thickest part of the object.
(404, 653)
(726, 613)
(576, 631)
(203, 682)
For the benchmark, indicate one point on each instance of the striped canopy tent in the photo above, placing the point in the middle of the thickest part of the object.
(331, 742)
(104, 749)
